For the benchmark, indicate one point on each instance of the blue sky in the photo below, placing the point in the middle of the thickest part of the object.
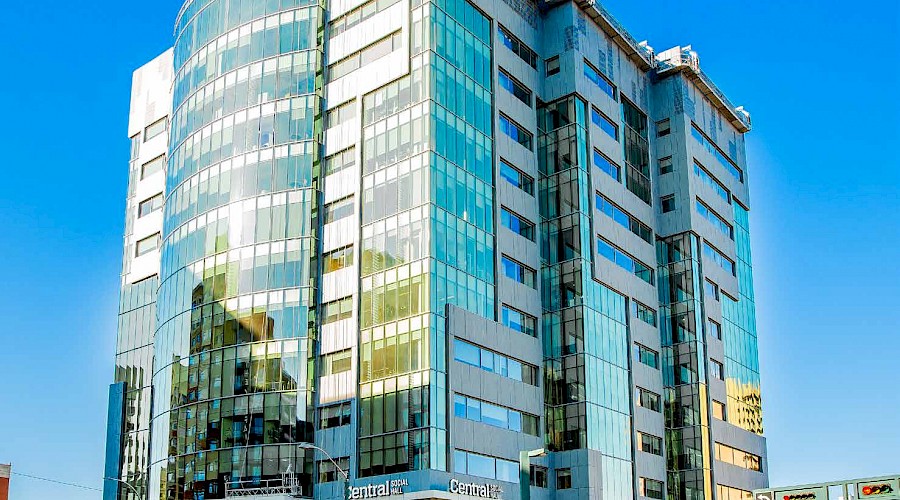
(819, 77)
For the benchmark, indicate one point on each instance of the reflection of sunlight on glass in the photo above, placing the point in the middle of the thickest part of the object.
(234, 226)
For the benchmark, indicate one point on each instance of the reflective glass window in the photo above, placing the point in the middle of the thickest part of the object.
(598, 79)
(147, 245)
(605, 123)
(154, 129)
(607, 166)
(150, 205)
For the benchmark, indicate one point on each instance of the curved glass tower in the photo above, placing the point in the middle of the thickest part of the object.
(235, 337)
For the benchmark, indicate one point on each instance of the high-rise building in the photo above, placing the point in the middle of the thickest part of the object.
(426, 236)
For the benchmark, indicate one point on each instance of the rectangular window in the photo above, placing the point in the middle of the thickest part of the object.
(154, 129)
(334, 415)
(716, 370)
(517, 271)
(724, 160)
(718, 257)
(516, 223)
(538, 476)
(624, 218)
(135, 146)
(498, 416)
(712, 290)
(594, 75)
(649, 443)
(712, 182)
(493, 362)
(552, 65)
(563, 479)
(338, 209)
(339, 161)
(474, 464)
(341, 114)
(358, 15)
(665, 165)
(646, 356)
(607, 166)
(731, 493)
(718, 410)
(147, 245)
(337, 310)
(150, 205)
(715, 219)
(516, 46)
(336, 362)
(605, 123)
(365, 56)
(651, 488)
(715, 330)
(337, 259)
(624, 260)
(516, 132)
(740, 458)
(153, 166)
(643, 312)
(519, 321)
(663, 128)
(515, 88)
(667, 203)
(516, 177)
(647, 399)
(328, 470)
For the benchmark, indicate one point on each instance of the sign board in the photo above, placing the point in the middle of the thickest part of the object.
(477, 490)
(378, 490)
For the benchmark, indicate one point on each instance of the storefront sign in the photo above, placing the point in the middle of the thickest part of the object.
(385, 489)
(476, 490)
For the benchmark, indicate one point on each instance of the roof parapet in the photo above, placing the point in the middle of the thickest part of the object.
(685, 60)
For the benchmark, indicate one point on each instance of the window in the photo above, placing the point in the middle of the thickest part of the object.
(718, 257)
(150, 205)
(339, 209)
(712, 182)
(651, 488)
(649, 443)
(340, 160)
(518, 48)
(624, 218)
(740, 458)
(730, 493)
(646, 356)
(624, 260)
(607, 165)
(515, 88)
(518, 320)
(336, 362)
(334, 415)
(665, 165)
(358, 15)
(493, 362)
(711, 289)
(365, 56)
(154, 129)
(341, 114)
(135, 146)
(515, 131)
(716, 370)
(643, 312)
(563, 479)
(715, 330)
(516, 177)
(715, 219)
(647, 399)
(337, 259)
(604, 123)
(473, 464)
(147, 245)
(663, 128)
(718, 410)
(538, 476)
(724, 160)
(153, 166)
(328, 471)
(667, 203)
(594, 75)
(517, 271)
(337, 310)
(498, 416)
(516, 223)
(552, 65)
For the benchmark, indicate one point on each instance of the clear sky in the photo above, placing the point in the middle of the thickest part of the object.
(819, 77)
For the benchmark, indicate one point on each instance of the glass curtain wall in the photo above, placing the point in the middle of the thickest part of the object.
(427, 235)
(587, 388)
(688, 459)
(236, 308)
